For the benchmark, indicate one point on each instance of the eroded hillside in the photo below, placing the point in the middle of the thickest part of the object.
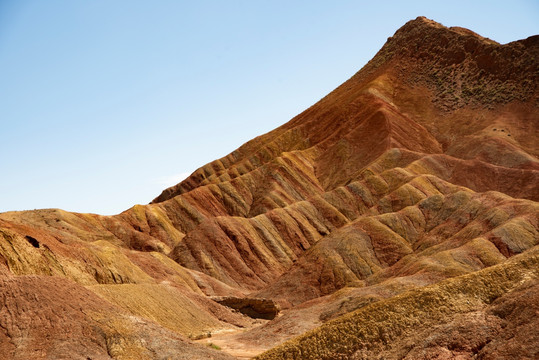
(409, 192)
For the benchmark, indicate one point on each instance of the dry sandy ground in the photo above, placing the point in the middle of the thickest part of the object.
(227, 341)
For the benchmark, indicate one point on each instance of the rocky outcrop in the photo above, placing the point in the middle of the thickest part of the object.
(257, 308)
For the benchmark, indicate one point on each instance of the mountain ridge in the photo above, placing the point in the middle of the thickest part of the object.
(396, 46)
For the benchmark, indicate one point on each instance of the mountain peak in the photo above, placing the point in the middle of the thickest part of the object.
(455, 66)
(487, 73)
(422, 25)
(424, 21)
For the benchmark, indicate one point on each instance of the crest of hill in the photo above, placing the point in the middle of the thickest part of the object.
(455, 68)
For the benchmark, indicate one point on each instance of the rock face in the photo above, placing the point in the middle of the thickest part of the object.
(398, 217)
(252, 307)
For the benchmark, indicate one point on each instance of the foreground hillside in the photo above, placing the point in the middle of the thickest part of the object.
(398, 217)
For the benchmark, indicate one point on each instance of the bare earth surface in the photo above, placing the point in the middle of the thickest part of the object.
(227, 342)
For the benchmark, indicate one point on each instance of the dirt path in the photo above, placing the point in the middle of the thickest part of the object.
(227, 342)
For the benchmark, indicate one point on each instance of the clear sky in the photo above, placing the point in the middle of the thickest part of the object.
(104, 103)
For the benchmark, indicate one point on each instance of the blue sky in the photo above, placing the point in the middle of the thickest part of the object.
(105, 103)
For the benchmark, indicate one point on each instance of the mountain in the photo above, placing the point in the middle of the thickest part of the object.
(396, 218)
